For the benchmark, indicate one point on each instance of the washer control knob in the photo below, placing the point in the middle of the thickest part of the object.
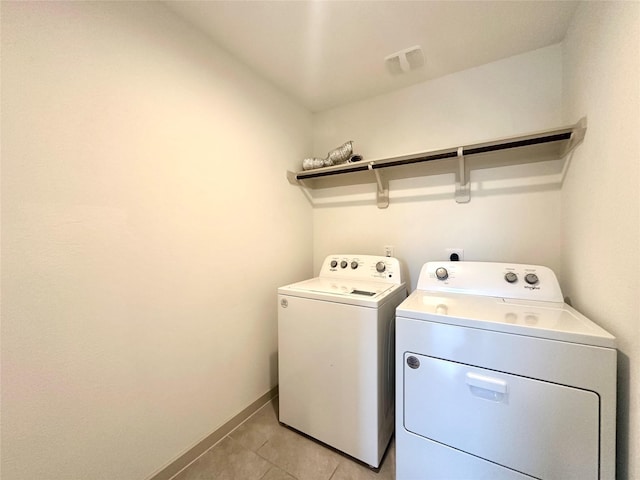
(354, 265)
(531, 278)
(343, 264)
(442, 273)
(511, 277)
(381, 267)
(334, 263)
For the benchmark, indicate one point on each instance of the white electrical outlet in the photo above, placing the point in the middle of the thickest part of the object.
(388, 250)
(455, 254)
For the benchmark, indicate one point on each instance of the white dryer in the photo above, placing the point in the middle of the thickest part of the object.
(335, 354)
(497, 378)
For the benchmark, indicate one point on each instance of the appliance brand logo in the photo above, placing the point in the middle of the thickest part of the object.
(413, 362)
(532, 287)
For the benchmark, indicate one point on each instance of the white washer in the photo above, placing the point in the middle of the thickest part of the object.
(497, 378)
(335, 354)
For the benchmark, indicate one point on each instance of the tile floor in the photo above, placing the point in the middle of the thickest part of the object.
(262, 449)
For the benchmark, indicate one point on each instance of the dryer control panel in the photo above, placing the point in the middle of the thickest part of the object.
(506, 280)
(362, 267)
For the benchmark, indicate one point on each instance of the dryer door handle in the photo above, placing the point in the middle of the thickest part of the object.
(489, 388)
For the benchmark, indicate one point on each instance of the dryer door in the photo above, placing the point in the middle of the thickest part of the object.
(545, 430)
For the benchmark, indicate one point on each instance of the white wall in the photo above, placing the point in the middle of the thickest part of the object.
(140, 163)
(514, 212)
(146, 223)
(600, 198)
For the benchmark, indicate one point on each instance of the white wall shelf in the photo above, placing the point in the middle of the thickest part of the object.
(533, 147)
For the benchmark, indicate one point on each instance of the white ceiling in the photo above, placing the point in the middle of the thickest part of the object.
(328, 53)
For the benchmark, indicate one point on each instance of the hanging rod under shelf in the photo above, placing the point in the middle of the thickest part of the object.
(545, 145)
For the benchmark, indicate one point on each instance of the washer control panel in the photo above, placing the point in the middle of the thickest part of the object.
(363, 267)
(507, 280)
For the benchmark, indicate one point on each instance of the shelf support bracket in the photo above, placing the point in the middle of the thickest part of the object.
(382, 193)
(291, 177)
(577, 135)
(463, 186)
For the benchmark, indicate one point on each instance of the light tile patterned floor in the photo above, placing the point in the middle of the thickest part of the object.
(262, 449)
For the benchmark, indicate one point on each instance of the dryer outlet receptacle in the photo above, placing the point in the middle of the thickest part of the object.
(455, 254)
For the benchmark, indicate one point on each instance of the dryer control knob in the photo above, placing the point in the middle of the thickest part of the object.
(381, 267)
(334, 263)
(531, 278)
(343, 264)
(442, 273)
(354, 265)
(510, 277)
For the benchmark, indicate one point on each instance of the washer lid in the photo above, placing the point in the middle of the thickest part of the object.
(551, 320)
(341, 290)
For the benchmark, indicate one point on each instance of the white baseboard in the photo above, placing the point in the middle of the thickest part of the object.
(169, 471)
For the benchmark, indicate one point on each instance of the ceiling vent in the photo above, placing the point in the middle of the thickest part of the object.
(405, 60)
